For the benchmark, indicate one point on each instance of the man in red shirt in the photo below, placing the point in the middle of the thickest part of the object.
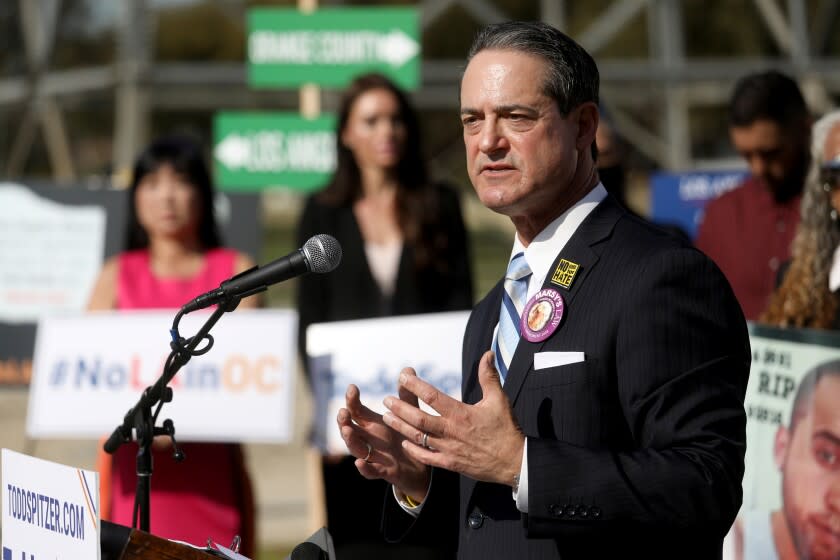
(748, 231)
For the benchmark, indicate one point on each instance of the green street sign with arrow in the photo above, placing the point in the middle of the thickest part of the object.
(252, 151)
(328, 47)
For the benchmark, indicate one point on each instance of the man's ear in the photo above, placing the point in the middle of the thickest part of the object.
(780, 446)
(587, 119)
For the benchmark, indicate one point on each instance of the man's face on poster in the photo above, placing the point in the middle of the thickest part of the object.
(809, 458)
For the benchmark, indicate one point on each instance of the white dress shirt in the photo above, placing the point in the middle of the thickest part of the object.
(540, 254)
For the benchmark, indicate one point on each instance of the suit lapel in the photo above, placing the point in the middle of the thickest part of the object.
(578, 251)
(482, 340)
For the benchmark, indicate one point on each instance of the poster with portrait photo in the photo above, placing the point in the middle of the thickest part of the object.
(785, 362)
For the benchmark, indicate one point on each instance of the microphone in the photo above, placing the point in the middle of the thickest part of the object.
(321, 253)
(308, 551)
(319, 546)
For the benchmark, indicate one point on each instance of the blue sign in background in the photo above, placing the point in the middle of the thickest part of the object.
(679, 198)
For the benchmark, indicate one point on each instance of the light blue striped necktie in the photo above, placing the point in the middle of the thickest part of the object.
(513, 301)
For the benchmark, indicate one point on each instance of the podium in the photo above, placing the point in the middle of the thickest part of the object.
(119, 542)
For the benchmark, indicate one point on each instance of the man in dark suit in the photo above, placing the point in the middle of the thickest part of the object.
(615, 426)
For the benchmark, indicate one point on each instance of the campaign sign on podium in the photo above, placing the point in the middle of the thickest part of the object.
(370, 354)
(49, 510)
(89, 370)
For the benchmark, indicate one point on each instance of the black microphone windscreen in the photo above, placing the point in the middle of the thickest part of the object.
(308, 551)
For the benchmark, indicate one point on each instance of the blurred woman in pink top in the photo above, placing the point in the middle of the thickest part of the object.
(173, 253)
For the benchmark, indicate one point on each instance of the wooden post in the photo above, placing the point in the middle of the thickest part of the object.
(310, 94)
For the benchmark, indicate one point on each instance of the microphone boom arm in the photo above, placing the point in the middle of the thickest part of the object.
(140, 415)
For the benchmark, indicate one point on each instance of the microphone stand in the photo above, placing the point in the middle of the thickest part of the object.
(140, 416)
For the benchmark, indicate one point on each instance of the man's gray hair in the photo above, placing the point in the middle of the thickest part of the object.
(571, 73)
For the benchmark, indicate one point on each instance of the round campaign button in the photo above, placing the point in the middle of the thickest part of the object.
(542, 315)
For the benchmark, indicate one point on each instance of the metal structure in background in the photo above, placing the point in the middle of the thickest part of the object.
(675, 82)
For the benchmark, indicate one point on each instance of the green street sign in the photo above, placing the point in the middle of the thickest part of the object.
(328, 47)
(252, 151)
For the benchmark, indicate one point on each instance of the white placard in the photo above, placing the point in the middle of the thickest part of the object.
(370, 353)
(50, 254)
(49, 510)
(89, 370)
(788, 459)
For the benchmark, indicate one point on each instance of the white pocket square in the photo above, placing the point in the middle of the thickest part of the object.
(543, 360)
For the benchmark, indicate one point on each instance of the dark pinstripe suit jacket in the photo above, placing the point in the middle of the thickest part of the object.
(638, 450)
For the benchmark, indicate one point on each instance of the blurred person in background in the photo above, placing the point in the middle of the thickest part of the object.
(404, 252)
(612, 168)
(174, 253)
(611, 156)
(748, 231)
(806, 451)
(808, 294)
